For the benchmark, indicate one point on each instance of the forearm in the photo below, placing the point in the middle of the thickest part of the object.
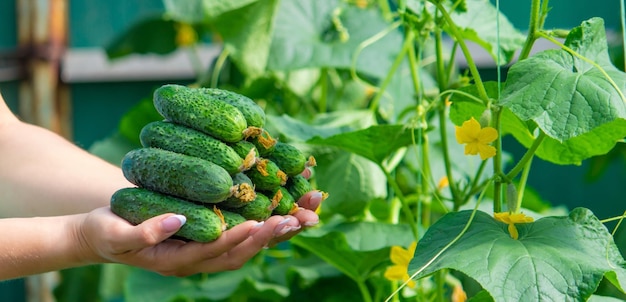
(35, 245)
(42, 174)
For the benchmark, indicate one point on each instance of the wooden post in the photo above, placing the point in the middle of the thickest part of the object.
(42, 37)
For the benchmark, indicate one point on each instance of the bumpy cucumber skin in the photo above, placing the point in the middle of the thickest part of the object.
(286, 202)
(267, 182)
(232, 201)
(255, 116)
(243, 148)
(190, 107)
(259, 209)
(288, 158)
(182, 139)
(298, 185)
(137, 205)
(232, 219)
(177, 174)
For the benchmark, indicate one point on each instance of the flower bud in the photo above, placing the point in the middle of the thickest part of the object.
(511, 197)
(485, 118)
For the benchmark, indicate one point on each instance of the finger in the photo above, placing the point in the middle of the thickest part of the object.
(311, 200)
(239, 255)
(307, 218)
(148, 233)
(306, 173)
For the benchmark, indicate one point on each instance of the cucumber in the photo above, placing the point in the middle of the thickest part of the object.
(244, 194)
(231, 218)
(177, 174)
(285, 202)
(266, 175)
(182, 139)
(189, 107)
(243, 148)
(137, 205)
(263, 141)
(297, 186)
(288, 158)
(254, 114)
(259, 209)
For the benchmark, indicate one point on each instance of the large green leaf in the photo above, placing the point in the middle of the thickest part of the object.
(198, 11)
(351, 181)
(478, 24)
(305, 36)
(247, 35)
(153, 35)
(565, 95)
(558, 258)
(354, 248)
(375, 143)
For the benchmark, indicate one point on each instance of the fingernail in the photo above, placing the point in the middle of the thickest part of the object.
(311, 223)
(256, 227)
(316, 197)
(173, 223)
(284, 221)
(286, 229)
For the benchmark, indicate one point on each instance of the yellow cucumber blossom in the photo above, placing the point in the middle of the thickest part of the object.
(185, 35)
(476, 139)
(511, 219)
(401, 258)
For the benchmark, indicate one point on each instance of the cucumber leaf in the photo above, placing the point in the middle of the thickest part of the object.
(567, 96)
(354, 248)
(198, 11)
(478, 24)
(557, 258)
(153, 35)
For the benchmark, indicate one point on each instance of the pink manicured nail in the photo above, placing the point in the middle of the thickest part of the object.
(256, 227)
(311, 223)
(286, 229)
(173, 223)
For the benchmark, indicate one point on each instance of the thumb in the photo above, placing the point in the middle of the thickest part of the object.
(156, 229)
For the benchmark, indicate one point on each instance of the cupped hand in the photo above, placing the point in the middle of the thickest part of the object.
(105, 237)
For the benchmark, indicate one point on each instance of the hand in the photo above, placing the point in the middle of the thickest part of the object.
(105, 237)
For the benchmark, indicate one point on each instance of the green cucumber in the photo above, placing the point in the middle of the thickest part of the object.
(231, 219)
(190, 107)
(254, 114)
(297, 186)
(137, 205)
(266, 175)
(285, 204)
(288, 158)
(259, 209)
(242, 195)
(177, 174)
(182, 139)
(243, 148)
(263, 141)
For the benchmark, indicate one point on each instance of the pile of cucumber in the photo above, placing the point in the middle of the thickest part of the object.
(212, 161)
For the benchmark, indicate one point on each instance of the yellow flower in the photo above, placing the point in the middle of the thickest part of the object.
(401, 258)
(476, 139)
(443, 182)
(458, 294)
(511, 219)
(185, 35)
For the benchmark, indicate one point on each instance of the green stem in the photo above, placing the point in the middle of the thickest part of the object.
(365, 293)
(482, 92)
(405, 207)
(497, 161)
(385, 9)
(472, 187)
(217, 68)
(440, 281)
(442, 81)
(522, 184)
(465, 94)
(414, 67)
(533, 27)
(408, 43)
(443, 133)
(324, 90)
(527, 157)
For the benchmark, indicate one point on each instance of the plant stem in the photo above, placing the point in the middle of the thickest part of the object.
(482, 92)
(533, 27)
(472, 187)
(440, 281)
(365, 293)
(408, 42)
(522, 184)
(405, 207)
(497, 161)
(323, 90)
(217, 68)
(442, 81)
(443, 133)
(526, 157)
